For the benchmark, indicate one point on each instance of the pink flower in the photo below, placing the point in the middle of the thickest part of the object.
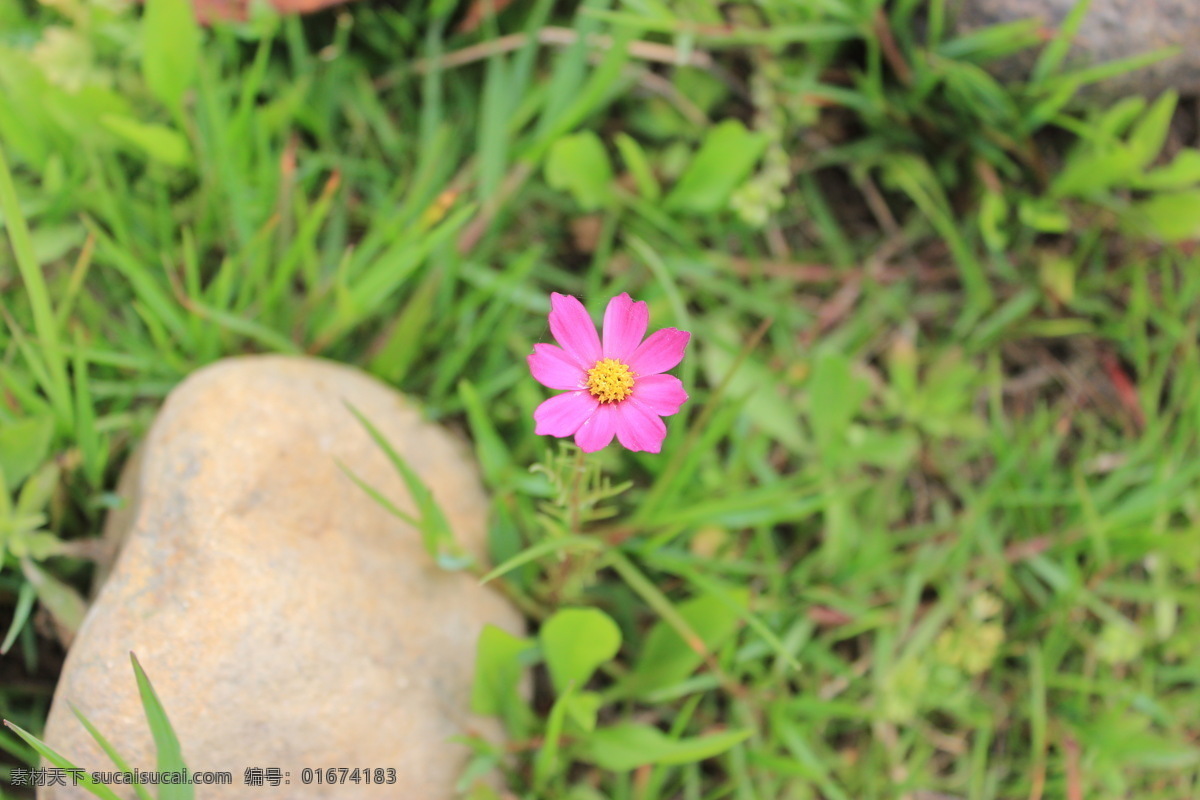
(616, 387)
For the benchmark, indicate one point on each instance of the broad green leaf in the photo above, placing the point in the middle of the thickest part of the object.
(166, 743)
(156, 141)
(1182, 173)
(497, 671)
(628, 746)
(579, 164)
(1090, 171)
(1170, 216)
(24, 445)
(666, 659)
(582, 708)
(575, 642)
(724, 161)
(170, 49)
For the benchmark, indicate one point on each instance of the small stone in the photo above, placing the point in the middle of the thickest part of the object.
(285, 619)
(1111, 30)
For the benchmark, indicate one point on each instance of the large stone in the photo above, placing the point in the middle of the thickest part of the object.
(285, 618)
(1111, 30)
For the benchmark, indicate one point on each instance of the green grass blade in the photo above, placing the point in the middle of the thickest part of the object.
(170, 755)
(435, 529)
(62, 762)
(57, 386)
(25, 598)
(109, 750)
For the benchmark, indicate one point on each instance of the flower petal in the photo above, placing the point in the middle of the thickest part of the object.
(598, 430)
(624, 326)
(574, 329)
(562, 414)
(663, 350)
(552, 367)
(638, 428)
(660, 394)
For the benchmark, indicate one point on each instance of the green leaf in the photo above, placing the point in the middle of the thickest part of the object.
(156, 141)
(1170, 216)
(835, 396)
(62, 762)
(575, 642)
(767, 405)
(1150, 134)
(1182, 173)
(666, 659)
(1044, 215)
(170, 755)
(628, 746)
(36, 493)
(25, 597)
(545, 547)
(579, 164)
(170, 50)
(23, 445)
(497, 671)
(65, 604)
(582, 708)
(1091, 170)
(724, 161)
(879, 448)
(121, 764)
(436, 533)
(490, 448)
(545, 762)
(1051, 59)
(639, 167)
(993, 218)
(33, 543)
(1056, 274)
(403, 342)
(52, 374)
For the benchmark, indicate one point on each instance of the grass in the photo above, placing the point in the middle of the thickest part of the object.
(927, 526)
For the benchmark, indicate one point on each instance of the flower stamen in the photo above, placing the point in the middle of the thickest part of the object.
(610, 381)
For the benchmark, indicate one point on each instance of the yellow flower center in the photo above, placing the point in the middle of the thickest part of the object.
(610, 381)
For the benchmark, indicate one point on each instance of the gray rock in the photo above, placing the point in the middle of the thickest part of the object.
(1112, 30)
(285, 619)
